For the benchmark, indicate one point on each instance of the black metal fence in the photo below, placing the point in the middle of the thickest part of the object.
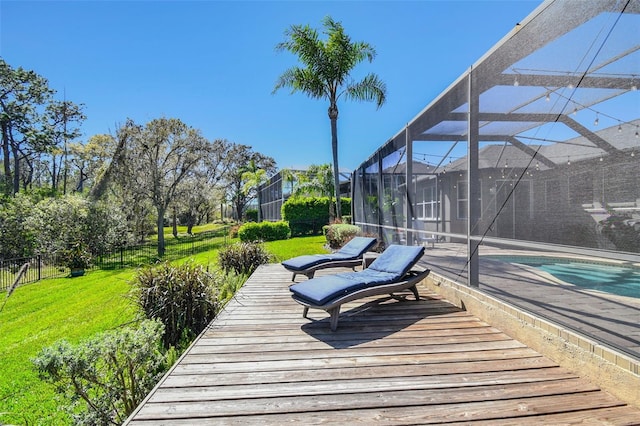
(45, 266)
(40, 267)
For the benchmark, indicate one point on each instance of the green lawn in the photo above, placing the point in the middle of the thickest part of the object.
(182, 230)
(37, 315)
(286, 249)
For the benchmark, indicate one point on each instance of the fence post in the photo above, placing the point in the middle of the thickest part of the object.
(122, 257)
(39, 266)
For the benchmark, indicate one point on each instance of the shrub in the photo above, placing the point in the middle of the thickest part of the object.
(228, 285)
(307, 215)
(264, 231)
(243, 257)
(251, 215)
(103, 379)
(339, 234)
(182, 297)
(50, 225)
(16, 238)
(77, 257)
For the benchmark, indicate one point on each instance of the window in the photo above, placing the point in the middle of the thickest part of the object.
(427, 203)
(461, 188)
(462, 199)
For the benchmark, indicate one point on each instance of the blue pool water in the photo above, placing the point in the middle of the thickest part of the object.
(623, 281)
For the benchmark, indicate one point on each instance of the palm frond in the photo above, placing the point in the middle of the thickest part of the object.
(327, 65)
(370, 88)
(302, 41)
(301, 80)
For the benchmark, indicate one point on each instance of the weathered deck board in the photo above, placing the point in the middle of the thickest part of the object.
(390, 362)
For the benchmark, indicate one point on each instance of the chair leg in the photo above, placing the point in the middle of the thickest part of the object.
(335, 314)
(293, 278)
(414, 289)
(305, 311)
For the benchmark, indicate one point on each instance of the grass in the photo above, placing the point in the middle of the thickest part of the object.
(286, 249)
(37, 315)
(182, 231)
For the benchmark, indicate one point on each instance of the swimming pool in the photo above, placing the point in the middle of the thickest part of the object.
(619, 280)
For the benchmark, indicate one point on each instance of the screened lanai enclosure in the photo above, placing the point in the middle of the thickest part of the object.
(536, 143)
(534, 149)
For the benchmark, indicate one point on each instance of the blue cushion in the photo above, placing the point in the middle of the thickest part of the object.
(390, 266)
(397, 259)
(320, 290)
(357, 246)
(300, 263)
(354, 249)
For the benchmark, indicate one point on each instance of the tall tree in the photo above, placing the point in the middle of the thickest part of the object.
(22, 94)
(241, 157)
(326, 74)
(89, 159)
(118, 147)
(198, 195)
(63, 119)
(159, 157)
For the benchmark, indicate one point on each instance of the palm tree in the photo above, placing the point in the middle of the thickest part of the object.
(316, 181)
(253, 177)
(325, 74)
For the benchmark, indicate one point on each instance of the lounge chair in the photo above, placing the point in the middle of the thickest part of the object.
(350, 255)
(388, 274)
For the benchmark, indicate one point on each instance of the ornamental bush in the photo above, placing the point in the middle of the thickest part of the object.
(264, 231)
(243, 258)
(183, 297)
(103, 379)
(339, 234)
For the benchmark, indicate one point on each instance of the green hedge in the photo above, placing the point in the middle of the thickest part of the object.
(307, 215)
(251, 215)
(264, 231)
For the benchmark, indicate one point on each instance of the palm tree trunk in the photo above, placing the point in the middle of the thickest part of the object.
(333, 116)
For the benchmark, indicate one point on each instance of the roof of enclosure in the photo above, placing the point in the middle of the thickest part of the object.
(568, 71)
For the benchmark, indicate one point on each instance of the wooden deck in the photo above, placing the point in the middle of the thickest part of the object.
(389, 362)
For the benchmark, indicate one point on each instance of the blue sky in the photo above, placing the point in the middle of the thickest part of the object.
(213, 64)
